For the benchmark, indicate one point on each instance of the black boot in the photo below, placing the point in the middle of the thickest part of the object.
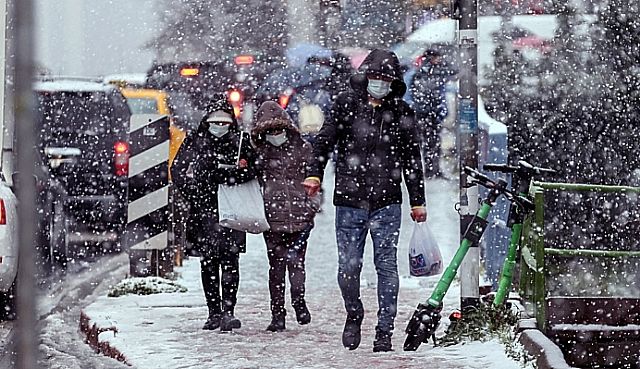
(229, 322)
(382, 343)
(351, 334)
(277, 324)
(303, 316)
(213, 322)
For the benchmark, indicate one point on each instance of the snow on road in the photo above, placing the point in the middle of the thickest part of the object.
(61, 346)
(164, 331)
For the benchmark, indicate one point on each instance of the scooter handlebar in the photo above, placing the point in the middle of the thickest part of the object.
(502, 168)
(537, 170)
(479, 177)
(522, 166)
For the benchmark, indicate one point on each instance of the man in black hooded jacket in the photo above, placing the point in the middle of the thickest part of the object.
(377, 145)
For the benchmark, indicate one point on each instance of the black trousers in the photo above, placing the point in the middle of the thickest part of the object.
(220, 270)
(286, 251)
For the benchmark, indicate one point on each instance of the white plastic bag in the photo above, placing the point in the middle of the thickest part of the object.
(241, 207)
(424, 254)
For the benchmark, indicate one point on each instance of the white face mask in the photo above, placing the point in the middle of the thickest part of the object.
(218, 130)
(378, 88)
(277, 140)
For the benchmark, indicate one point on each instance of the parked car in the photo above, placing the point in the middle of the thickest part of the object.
(150, 101)
(8, 250)
(84, 144)
(51, 240)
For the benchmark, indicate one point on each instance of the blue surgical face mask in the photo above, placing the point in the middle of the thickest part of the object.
(218, 130)
(277, 140)
(378, 88)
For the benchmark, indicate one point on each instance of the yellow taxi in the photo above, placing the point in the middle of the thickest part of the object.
(149, 101)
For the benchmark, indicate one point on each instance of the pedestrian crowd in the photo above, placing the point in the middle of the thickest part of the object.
(374, 139)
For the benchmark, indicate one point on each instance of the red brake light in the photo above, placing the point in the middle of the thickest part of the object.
(3, 212)
(283, 100)
(243, 59)
(189, 72)
(121, 158)
(121, 147)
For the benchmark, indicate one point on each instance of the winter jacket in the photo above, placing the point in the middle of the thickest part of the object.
(375, 146)
(196, 174)
(282, 171)
(428, 89)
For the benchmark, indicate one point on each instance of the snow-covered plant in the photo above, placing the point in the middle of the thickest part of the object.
(145, 286)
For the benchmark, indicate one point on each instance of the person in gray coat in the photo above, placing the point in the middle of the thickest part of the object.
(283, 157)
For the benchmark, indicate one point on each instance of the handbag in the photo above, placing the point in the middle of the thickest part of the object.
(241, 206)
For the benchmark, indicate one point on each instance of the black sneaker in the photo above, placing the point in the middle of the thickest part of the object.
(382, 343)
(213, 322)
(303, 316)
(277, 324)
(351, 334)
(229, 322)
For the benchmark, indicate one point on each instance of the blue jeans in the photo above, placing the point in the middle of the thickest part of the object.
(352, 226)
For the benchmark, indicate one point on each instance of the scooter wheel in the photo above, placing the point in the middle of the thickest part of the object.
(415, 339)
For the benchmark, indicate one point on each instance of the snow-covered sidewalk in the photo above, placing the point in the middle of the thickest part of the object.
(164, 330)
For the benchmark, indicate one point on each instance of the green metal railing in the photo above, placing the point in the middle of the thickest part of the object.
(533, 273)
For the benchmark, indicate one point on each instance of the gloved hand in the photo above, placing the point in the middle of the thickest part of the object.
(311, 186)
(419, 214)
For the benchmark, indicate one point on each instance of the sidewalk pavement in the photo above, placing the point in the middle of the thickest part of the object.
(165, 330)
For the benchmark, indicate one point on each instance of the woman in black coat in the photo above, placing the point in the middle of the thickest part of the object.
(207, 158)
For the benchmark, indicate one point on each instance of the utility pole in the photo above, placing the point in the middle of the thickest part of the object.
(26, 333)
(466, 11)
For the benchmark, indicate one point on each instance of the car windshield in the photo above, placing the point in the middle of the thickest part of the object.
(140, 105)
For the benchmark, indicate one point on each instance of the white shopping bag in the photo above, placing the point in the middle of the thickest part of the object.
(424, 254)
(241, 207)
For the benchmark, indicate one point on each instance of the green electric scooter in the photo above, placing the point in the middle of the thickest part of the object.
(521, 178)
(426, 318)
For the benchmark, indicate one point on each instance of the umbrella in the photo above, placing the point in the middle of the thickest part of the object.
(299, 53)
(439, 31)
(356, 55)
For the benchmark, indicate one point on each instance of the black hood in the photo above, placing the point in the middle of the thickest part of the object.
(219, 102)
(380, 62)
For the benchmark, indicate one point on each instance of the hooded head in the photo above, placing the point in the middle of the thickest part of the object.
(219, 113)
(382, 67)
(271, 119)
(431, 56)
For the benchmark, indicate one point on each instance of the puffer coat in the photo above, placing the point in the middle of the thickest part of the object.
(282, 171)
(196, 173)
